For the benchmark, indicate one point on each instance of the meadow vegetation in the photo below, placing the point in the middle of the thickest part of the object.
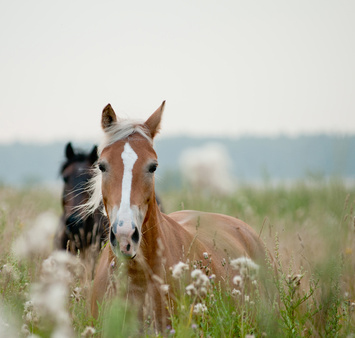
(309, 227)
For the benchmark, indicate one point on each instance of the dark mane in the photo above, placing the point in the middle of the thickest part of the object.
(78, 157)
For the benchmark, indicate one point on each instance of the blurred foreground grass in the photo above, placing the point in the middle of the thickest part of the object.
(309, 228)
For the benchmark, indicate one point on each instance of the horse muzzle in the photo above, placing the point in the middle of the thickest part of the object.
(125, 233)
(125, 243)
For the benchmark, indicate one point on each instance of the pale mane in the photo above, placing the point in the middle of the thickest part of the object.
(117, 131)
(121, 130)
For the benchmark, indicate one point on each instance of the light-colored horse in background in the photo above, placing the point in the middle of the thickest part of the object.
(148, 241)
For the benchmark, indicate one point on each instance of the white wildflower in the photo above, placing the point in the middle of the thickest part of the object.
(196, 273)
(212, 277)
(294, 280)
(204, 280)
(88, 332)
(199, 285)
(236, 293)
(246, 267)
(246, 298)
(50, 301)
(50, 295)
(200, 308)
(238, 281)
(30, 314)
(205, 255)
(202, 291)
(25, 331)
(38, 238)
(10, 272)
(178, 269)
(190, 290)
(200, 277)
(164, 288)
(76, 294)
(61, 266)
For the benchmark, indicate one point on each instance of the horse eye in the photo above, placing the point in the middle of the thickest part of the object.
(66, 179)
(102, 167)
(152, 167)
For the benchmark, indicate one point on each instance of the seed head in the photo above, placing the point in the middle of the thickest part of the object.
(236, 293)
(294, 280)
(200, 308)
(246, 267)
(164, 288)
(238, 281)
(191, 290)
(38, 238)
(88, 332)
(178, 269)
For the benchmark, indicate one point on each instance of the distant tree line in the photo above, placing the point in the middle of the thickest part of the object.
(253, 158)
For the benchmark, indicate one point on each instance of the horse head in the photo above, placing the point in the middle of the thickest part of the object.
(76, 172)
(126, 169)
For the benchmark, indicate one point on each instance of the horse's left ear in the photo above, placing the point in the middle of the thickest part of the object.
(108, 117)
(153, 123)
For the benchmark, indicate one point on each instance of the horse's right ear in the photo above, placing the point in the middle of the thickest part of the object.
(69, 151)
(108, 117)
(153, 123)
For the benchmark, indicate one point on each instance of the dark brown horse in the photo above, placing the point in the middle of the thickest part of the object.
(147, 241)
(76, 232)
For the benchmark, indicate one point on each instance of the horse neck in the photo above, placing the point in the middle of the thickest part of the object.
(151, 232)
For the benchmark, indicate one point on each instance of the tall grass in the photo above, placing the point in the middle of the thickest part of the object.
(308, 290)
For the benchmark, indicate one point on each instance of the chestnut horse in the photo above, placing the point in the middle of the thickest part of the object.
(147, 241)
(76, 232)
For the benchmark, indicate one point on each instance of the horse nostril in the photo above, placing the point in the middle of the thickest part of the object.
(128, 247)
(135, 236)
(113, 239)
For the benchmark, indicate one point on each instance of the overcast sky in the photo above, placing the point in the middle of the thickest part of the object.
(224, 67)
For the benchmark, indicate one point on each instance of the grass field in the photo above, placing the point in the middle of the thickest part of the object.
(309, 228)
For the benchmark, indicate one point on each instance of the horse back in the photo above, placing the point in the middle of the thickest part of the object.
(221, 234)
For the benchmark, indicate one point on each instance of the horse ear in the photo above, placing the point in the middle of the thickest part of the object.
(93, 157)
(69, 151)
(108, 117)
(153, 123)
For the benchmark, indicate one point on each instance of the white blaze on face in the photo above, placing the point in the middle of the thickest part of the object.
(124, 217)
